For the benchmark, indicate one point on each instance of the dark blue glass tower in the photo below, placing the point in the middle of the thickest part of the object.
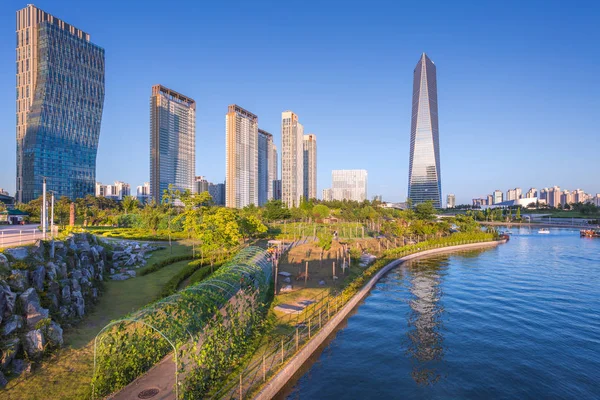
(63, 123)
(424, 179)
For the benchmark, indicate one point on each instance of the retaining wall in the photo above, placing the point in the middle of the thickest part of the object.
(277, 383)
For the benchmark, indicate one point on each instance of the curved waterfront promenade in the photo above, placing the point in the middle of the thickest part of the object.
(278, 382)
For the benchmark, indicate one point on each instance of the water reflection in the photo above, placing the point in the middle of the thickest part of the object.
(425, 339)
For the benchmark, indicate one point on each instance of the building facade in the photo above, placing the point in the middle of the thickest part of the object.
(531, 193)
(118, 191)
(273, 175)
(59, 104)
(241, 161)
(309, 146)
(277, 189)
(451, 201)
(554, 196)
(143, 193)
(349, 184)
(217, 192)
(172, 141)
(292, 159)
(424, 176)
(200, 184)
(498, 196)
(265, 178)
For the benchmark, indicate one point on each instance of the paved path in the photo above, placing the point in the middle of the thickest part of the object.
(16, 235)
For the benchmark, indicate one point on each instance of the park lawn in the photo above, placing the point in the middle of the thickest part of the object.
(68, 373)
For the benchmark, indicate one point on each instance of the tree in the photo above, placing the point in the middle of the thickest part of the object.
(219, 230)
(518, 215)
(130, 204)
(320, 211)
(325, 240)
(425, 211)
(251, 226)
(275, 210)
(151, 216)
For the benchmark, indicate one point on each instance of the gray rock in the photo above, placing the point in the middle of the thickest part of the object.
(131, 273)
(27, 297)
(75, 284)
(76, 274)
(321, 283)
(3, 261)
(37, 278)
(84, 245)
(3, 380)
(18, 253)
(71, 244)
(19, 366)
(120, 277)
(94, 293)
(111, 271)
(10, 348)
(66, 312)
(95, 254)
(33, 310)
(55, 334)
(54, 300)
(62, 271)
(7, 301)
(78, 303)
(34, 343)
(12, 324)
(66, 295)
(51, 271)
(54, 288)
(18, 280)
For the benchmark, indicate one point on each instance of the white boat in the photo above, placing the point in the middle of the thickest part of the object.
(544, 231)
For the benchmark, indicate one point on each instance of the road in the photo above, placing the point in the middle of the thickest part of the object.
(15, 235)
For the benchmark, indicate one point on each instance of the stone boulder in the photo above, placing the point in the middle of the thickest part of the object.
(55, 334)
(34, 343)
(18, 253)
(120, 277)
(18, 280)
(7, 300)
(12, 325)
(78, 303)
(62, 271)
(37, 278)
(3, 261)
(3, 380)
(66, 295)
(19, 366)
(51, 271)
(10, 348)
(31, 304)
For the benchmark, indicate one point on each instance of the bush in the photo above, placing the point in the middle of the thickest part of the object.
(161, 264)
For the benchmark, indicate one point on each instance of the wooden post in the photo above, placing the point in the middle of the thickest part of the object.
(296, 338)
(379, 244)
(282, 351)
(309, 328)
(264, 370)
(319, 319)
(328, 309)
(333, 269)
(305, 274)
(241, 393)
(363, 232)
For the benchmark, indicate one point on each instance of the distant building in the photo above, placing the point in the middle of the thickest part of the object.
(310, 166)
(596, 200)
(172, 141)
(477, 203)
(498, 196)
(6, 199)
(513, 194)
(273, 174)
(579, 196)
(531, 193)
(349, 184)
(118, 191)
(59, 104)
(217, 192)
(378, 198)
(554, 194)
(327, 195)
(143, 193)
(566, 197)
(543, 197)
(450, 201)
(200, 185)
(424, 176)
(3, 192)
(265, 170)
(512, 203)
(292, 159)
(241, 162)
(490, 199)
(277, 189)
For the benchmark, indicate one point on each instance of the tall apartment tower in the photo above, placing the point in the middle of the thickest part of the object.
(241, 162)
(310, 166)
(292, 159)
(172, 141)
(59, 103)
(265, 155)
(349, 184)
(273, 176)
(424, 179)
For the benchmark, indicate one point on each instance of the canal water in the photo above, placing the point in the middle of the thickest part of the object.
(521, 321)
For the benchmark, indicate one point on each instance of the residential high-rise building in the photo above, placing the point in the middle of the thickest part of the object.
(424, 176)
(217, 192)
(579, 196)
(513, 194)
(292, 159)
(59, 103)
(143, 192)
(309, 145)
(498, 196)
(172, 141)
(273, 176)
(327, 195)
(566, 197)
(349, 184)
(241, 161)
(451, 201)
(554, 196)
(543, 198)
(265, 157)
(200, 184)
(596, 200)
(118, 191)
(531, 193)
(490, 199)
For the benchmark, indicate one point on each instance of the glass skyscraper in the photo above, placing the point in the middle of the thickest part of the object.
(59, 102)
(424, 180)
(172, 141)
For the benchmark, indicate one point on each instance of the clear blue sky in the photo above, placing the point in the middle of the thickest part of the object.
(518, 85)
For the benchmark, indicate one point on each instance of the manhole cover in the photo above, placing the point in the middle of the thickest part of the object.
(148, 393)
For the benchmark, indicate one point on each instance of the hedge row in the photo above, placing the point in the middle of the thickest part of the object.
(161, 264)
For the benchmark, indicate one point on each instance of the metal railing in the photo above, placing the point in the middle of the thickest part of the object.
(19, 237)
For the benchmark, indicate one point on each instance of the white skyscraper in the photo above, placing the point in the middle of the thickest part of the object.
(349, 184)
(241, 170)
(272, 171)
(310, 166)
(292, 159)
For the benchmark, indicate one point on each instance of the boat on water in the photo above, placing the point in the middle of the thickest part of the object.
(591, 233)
(544, 231)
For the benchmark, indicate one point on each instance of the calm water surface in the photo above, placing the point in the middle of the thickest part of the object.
(519, 321)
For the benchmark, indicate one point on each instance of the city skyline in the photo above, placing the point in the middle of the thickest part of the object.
(510, 124)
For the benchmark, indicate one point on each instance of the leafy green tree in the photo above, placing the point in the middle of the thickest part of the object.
(320, 211)
(275, 210)
(251, 226)
(130, 204)
(518, 214)
(425, 211)
(219, 230)
(151, 216)
(325, 240)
